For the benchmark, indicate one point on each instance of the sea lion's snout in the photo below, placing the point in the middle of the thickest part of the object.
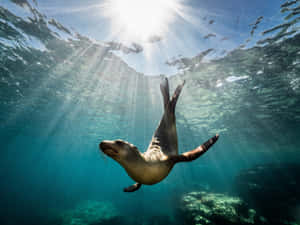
(118, 149)
(102, 145)
(108, 148)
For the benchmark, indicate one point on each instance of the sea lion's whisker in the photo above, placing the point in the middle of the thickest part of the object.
(114, 150)
(103, 156)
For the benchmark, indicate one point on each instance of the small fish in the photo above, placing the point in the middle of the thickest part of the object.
(154, 38)
(209, 36)
(211, 21)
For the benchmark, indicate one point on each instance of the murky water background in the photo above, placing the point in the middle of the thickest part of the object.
(62, 93)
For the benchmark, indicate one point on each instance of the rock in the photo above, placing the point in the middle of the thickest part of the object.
(213, 208)
(272, 189)
(143, 219)
(91, 213)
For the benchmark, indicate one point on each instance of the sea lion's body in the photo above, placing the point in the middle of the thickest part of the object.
(156, 163)
(149, 172)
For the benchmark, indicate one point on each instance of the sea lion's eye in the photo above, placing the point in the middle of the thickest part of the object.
(119, 142)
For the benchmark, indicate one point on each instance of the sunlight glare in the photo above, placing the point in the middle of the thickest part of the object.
(140, 19)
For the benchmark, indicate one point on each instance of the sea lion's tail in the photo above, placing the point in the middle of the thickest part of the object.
(170, 104)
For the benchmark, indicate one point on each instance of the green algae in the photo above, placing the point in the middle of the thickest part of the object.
(90, 212)
(215, 208)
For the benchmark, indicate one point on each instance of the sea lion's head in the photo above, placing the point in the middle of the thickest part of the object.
(121, 151)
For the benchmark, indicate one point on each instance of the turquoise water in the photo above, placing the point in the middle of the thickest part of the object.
(61, 94)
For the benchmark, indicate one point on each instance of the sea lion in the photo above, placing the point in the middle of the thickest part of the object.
(156, 163)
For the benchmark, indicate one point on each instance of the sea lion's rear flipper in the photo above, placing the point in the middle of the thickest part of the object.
(194, 154)
(175, 96)
(164, 88)
(133, 187)
(170, 104)
(165, 135)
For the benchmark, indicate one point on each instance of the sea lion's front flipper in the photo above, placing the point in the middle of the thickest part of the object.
(133, 187)
(194, 154)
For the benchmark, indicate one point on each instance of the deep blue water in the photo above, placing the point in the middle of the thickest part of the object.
(58, 103)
